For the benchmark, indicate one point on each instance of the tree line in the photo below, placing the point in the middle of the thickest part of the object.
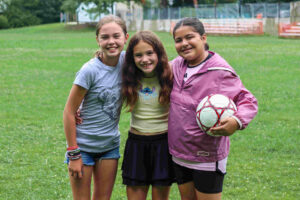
(19, 13)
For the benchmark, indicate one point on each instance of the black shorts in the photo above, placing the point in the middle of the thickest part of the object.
(205, 181)
(147, 161)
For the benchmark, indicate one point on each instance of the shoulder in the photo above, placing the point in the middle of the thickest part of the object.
(122, 58)
(177, 64)
(122, 55)
(89, 68)
(90, 65)
(177, 61)
(219, 64)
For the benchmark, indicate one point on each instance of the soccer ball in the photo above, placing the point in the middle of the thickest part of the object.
(212, 109)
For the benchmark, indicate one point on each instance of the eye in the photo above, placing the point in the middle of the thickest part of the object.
(177, 40)
(137, 55)
(189, 37)
(117, 36)
(149, 53)
(103, 37)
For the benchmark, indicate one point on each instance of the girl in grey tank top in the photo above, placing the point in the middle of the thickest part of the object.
(93, 146)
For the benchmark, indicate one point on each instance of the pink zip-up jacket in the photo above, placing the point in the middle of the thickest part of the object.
(186, 140)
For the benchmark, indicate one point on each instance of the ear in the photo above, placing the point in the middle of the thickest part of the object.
(126, 37)
(203, 37)
(97, 39)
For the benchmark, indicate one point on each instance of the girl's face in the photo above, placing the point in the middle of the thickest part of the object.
(145, 58)
(111, 40)
(190, 45)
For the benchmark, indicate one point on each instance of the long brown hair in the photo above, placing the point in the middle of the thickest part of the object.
(131, 75)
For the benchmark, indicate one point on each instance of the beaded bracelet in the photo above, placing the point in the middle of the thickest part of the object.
(72, 148)
(74, 154)
(75, 157)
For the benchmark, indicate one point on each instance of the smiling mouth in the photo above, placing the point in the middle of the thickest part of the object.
(186, 50)
(111, 48)
(147, 66)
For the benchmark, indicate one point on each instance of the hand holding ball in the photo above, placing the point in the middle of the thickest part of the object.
(212, 109)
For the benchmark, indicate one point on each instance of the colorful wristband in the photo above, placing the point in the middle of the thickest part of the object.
(75, 157)
(72, 148)
(73, 153)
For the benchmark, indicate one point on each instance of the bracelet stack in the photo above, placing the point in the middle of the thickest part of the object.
(73, 153)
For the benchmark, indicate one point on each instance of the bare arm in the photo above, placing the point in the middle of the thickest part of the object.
(75, 98)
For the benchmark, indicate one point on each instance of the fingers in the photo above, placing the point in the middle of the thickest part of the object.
(226, 127)
(78, 119)
(76, 168)
(217, 131)
(76, 174)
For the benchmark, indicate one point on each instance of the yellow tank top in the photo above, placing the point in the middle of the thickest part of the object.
(148, 115)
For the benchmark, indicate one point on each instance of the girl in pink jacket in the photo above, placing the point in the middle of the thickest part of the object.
(200, 159)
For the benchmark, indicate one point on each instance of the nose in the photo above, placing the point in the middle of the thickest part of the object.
(184, 42)
(111, 40)
(144, 59)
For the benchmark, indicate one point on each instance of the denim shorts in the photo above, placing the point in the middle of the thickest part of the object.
(91, 158)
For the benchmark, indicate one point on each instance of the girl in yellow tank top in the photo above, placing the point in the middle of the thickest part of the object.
(147, 84)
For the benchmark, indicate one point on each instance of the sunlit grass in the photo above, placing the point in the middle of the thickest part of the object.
(37, 68)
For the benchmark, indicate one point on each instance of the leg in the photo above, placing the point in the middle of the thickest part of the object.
(160, 192)
(104, 178)
(205, 196)
(137, 192)
(81, 187)
(184, 177)
(208, 185)
(187, 191)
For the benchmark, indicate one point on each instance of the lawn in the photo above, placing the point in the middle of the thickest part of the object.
(37, 68)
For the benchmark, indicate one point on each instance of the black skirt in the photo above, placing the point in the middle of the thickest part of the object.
(147, 161)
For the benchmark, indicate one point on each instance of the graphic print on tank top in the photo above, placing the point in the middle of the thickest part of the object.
(148, 93)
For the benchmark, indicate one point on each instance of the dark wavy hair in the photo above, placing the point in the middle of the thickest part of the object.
(132, 76)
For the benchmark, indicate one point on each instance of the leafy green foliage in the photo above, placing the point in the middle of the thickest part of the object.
(49, 11)
(70, 6)
(19, 13)
(31, 12)
(3, 22)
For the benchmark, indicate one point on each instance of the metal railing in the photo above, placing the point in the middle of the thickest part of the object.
(209, 11)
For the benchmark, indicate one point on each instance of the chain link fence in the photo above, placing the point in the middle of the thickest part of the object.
(220, 11)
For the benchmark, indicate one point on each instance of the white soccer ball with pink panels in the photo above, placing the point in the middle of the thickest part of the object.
(212, 109)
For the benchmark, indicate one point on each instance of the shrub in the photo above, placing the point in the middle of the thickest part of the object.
(3, 22)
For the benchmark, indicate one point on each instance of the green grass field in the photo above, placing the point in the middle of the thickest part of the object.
(37, 68)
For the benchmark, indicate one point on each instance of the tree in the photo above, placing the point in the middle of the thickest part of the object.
(3, 5)
(70, 6)
(30, 12)
(48, 10)
(20, 13)
(102, 6)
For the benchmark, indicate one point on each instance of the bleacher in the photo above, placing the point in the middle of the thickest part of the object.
(231, 27)
(289, 30)
(234, 28)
